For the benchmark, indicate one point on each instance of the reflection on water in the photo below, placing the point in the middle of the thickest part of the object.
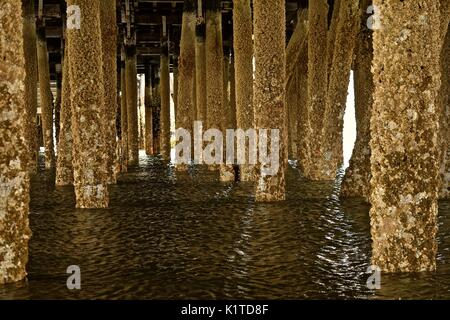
(170, 235)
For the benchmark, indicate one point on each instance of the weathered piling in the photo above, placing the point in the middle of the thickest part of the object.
(333, 31)
(148, 110)
(357, 176)
(58, 99)
(215, 114)
(14, 177)
(156, 107)
(123, 113)
(46, 97)
(243, 65)
(31, 79)
(64, 167)
(317, 85)
(445, 113)
(185, 114)
(302, 114)
(404, 136)
(296, 58)
(338, 79)
(109, 56)
(270, 94)
(292, 110)
(200, 69)
(232, 119)
(175, 85)
(297, 65)
(297, 44)
(88, 120)
(132, 107)
(444, 101)
(165, 100)
(227, 173)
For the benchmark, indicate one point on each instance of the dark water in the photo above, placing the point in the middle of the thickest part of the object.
(170, 235)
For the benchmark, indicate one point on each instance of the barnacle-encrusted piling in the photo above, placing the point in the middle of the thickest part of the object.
(123, 114)
(14, 180)
(214, 71)
(175, 85)
(227, 173)
(333, 30)
(296, 56)
(404, 136)
(357, 176)
(243, 64)
(64, 167)
(109, 55)
(214, 64)
(156, 107)
(232, 117)
(141, 110)
(292, 110)
(132, 107)
(46, 97)
(200, 70)
(302, 114)
(148, 111)
(445, 17)
(445, 100)
(226, 82)
(165, 100)
(270, 94)
(317, 85)
(297, 65)
(338, 79)
(88, 119)
(58, 101)
(297, 44)
(185, 114)
(31, 79)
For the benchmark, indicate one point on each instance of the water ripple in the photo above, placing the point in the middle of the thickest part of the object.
(170, 235)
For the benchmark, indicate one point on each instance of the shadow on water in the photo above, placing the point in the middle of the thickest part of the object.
(185, 235)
